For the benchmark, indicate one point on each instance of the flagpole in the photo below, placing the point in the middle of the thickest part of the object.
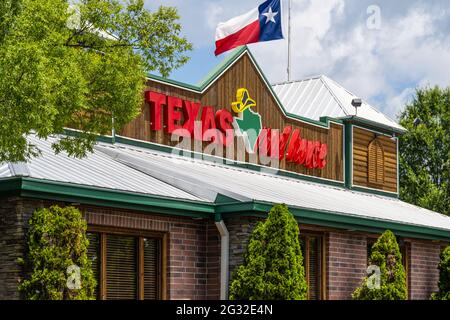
(289, 42)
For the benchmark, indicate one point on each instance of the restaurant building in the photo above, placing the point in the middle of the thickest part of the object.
(171, 199)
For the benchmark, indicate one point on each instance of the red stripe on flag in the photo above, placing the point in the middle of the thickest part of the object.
(248, 34)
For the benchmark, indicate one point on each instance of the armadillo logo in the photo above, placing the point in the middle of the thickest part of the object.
(248, 124)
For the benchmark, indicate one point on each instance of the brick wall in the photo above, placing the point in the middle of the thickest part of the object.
(194, 257)
(239, 230)
(194, 246)
(194, 249)
(346, 263)
(14, 215)
(424, 275)
(11, 247)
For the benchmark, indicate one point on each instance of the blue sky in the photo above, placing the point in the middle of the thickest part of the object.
(380, 57)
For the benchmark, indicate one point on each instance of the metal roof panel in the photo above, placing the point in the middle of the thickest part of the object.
(295, 192)
(4, 170)
(98, 170)
(304, 97)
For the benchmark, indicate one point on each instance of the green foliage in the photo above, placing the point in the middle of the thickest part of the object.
(57, 240)
(386, 255)
(444, 277)
(273, 263)
(78, 66)
(425, 150)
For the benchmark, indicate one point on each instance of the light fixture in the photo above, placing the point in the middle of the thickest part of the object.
(356, 102)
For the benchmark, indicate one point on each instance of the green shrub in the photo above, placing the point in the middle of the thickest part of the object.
(444, 277)
(386, 255)
(273, 263)
(57, 247)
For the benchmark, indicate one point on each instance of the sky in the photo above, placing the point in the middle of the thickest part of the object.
(380, 50)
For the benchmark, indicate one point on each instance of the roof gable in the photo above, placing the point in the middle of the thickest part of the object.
(233, 58)
(321, 96)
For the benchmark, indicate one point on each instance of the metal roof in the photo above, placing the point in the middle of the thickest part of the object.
(252, 185)
(97, 170)
(321, 96)
(147, 171)
(4, 171)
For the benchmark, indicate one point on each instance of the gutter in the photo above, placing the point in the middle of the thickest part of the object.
(224, 258)
(363, 121)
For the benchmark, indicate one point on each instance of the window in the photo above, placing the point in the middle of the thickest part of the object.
(121, 267)
(126, 266)
(151, 269)
(375, 160)
(313, 263)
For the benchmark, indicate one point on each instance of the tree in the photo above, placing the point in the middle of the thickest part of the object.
(425, 150)
(392, 279)
(444, 277)
(57, 261)
(273, 264)
(78, 66)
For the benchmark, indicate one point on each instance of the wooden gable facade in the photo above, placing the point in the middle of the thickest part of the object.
(241, 71)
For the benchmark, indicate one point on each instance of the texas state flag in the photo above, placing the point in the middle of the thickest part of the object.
(260, 24)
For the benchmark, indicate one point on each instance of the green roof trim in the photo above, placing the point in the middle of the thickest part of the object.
(348, 155)
(339, 220)
(210, 77)
(174, 82)
(222, 66)
(371, 125)
(73, 193)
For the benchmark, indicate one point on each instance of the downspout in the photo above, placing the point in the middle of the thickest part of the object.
(224, 256)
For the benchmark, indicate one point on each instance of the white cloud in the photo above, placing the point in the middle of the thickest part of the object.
(382, 66)
(411, 48)
(215, 14)
(396, 103)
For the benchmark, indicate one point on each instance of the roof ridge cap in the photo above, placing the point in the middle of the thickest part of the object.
(324, 80)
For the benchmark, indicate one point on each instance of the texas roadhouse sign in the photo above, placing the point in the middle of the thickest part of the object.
(178, 117)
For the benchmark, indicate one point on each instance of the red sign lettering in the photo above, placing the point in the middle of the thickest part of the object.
(190, 111)
(156, 100)
(217, 127)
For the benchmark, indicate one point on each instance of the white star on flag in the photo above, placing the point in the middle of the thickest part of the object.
(270, 15)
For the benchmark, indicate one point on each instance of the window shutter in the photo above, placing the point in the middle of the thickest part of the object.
(93, 254)
(121, 267)
(380, 164)
(312, 261)
(151, 268)
(315, 271)
(375, 166)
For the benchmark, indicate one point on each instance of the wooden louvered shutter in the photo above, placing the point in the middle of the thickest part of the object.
(93, 253)
(303, 248)
(375, 166)
(314, 266)
(151, 269)
(312, 261)
(121, 267)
